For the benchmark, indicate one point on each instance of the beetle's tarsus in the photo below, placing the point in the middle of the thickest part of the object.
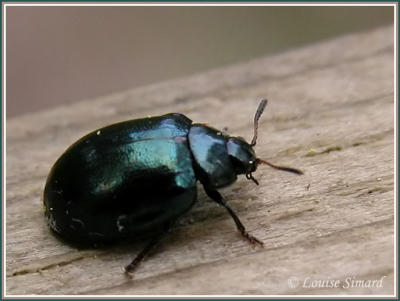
(127, 272)
(251, 239)
(130, 268)
(216, 196)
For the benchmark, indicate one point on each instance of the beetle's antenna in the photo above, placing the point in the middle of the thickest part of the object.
(289, 169)
(257, 116)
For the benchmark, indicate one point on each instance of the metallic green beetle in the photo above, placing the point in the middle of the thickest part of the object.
(135, 178)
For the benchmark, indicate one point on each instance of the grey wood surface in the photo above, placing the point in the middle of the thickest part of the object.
(331, 114)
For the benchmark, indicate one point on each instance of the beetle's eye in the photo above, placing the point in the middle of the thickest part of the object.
(252, 165)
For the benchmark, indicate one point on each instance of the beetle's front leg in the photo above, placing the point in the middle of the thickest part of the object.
(216, 196)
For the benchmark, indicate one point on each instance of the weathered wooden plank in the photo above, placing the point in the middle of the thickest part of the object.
(330, 114)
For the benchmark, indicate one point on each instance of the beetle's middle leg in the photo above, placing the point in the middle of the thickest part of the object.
(217, 197)
(150, 245)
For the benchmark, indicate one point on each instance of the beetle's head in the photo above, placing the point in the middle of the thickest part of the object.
(242, 154)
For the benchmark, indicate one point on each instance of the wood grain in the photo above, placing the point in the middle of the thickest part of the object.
(330, 113)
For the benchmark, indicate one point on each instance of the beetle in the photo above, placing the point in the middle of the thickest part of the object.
(135, 178)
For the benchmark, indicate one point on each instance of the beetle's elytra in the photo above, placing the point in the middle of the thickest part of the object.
(137, 177)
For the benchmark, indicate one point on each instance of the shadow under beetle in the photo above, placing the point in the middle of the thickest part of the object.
(137, 177)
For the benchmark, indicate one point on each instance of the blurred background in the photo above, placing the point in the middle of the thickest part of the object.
(59, 55)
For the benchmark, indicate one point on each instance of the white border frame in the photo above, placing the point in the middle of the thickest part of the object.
(4, 295)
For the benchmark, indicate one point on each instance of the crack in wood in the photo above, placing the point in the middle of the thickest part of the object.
(36, 267)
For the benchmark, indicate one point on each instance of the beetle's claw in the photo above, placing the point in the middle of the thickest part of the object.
(256, 241)
(130, 268)
(253, 240)
(128, 271)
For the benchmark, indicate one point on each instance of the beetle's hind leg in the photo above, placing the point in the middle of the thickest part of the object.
(129, 269)
(216, 196)
(139, 258)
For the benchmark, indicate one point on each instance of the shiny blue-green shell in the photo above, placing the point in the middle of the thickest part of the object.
(129, 178)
